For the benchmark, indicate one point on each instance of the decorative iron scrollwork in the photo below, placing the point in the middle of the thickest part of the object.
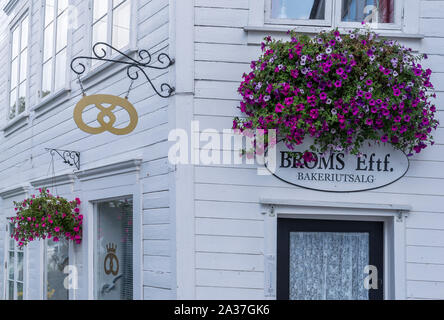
(134, 66)
(72, 158)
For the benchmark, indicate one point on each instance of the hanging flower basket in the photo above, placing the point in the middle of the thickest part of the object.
(47, 217)
(341, 90)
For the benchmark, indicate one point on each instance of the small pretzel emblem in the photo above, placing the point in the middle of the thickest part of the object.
(111, 263)
(105, 112)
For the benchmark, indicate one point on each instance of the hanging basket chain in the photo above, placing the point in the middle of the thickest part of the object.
(129, 89)
(53, 175)
(81, 85)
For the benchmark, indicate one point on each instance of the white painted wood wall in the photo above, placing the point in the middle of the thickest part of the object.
(24, 159)
(222, 256)
(229, 242)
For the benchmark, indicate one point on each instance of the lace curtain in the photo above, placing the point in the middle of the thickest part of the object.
(328, 265)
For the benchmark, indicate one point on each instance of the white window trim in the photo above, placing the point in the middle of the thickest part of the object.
(393, 217)
(88, 22)
(67, 86)
(121, 179)
(6, 278)
(396, 25)
(24, 11)
(408, 18)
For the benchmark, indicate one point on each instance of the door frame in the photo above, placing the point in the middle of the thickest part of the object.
(393, 215)
(285, 226)
(122, 180)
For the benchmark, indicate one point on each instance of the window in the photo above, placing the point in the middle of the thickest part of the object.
(384, 14)
(305, 12)
(14, 273)
(328, 260)
(19, 67)
(111, 22)
(57, 258)
(55, 35)
(379, 11)
(114, 250)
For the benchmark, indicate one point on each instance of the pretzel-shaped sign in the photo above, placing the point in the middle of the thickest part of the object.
(105, 112)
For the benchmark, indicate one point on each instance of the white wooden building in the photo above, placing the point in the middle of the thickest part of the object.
(196, 231)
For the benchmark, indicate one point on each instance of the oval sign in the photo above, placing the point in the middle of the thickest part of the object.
(379, 166)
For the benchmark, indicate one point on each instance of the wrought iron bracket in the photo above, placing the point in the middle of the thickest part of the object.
(100, 53)
(72, 158)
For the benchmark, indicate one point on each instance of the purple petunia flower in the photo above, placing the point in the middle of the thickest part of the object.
(279, 108)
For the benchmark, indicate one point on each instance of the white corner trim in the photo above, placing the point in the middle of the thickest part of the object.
(181, 181)
(16, 191)
(54, 181)
(342, 205)
(110, 170)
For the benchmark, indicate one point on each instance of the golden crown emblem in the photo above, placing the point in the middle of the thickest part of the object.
(111, 248)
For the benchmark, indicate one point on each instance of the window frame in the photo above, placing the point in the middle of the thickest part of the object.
(17, 23)
(66, 86)
(15, 268)
(327, 22)
(396, 25)
(286, 226)
(407, 21)
(89, 22)
(122, 179)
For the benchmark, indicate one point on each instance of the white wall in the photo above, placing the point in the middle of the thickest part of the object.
(227, 247)
(22, 152)
(229, 233)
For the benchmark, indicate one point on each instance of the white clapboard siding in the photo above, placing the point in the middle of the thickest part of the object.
(224, 293)
(229, 279)
(425, 254)
(227, 194)
(432, 9)
(229, 261)
(229, 244)
(23, 156)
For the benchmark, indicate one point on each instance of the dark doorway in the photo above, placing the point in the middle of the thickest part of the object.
(329, 259)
